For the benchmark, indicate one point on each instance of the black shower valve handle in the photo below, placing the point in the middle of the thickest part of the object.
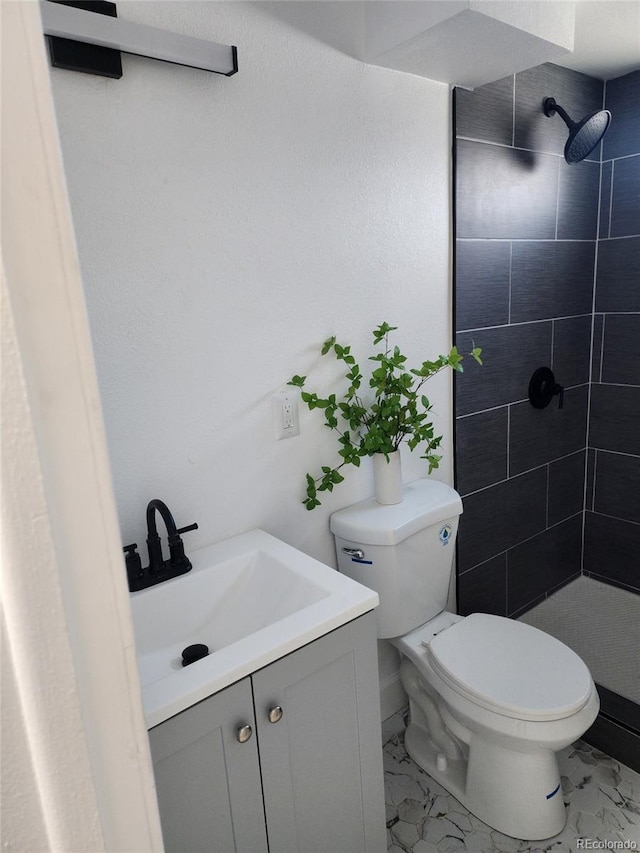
(543, 387)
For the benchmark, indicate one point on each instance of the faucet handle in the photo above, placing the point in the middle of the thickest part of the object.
(177, 558)
(187, 528)
(134, 566)
(130, 552)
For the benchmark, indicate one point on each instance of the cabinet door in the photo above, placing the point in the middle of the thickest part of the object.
(322, 760)
(208, 783)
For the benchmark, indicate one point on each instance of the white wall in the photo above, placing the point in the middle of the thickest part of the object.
(226, 227)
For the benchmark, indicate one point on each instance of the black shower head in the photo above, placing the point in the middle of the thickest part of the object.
(583, 135)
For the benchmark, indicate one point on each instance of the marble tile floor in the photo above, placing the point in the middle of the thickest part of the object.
(602, 798)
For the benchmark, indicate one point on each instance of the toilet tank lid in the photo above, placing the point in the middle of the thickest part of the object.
(425, 502)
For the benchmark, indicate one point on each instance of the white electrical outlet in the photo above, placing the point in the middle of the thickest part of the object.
(285, 415)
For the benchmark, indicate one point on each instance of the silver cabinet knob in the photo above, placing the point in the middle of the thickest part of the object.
(244, 733)
(275, 714)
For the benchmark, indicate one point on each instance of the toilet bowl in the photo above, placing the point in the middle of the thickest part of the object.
(508, 699)
(491, 700)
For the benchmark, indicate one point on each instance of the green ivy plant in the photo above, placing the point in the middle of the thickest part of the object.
(398, 411)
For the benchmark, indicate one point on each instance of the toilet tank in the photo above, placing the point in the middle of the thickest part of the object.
(402, 551)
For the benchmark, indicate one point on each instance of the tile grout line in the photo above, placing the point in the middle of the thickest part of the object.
(505, 551)
(506, 581)
(526, 400)
(616, 518)
(557, 198)
(508, 439)
(513, 114)
(616, 584)
(532, 322)
(613, 164)
(479, 141)
(591, 362)
(617, 385)
(510, 276)
(616, 452)
(560, 157)
(541, 239)
(598, 313)
(529, 471)
(547, 501)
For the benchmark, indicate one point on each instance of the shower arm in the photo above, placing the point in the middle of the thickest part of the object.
(551, 108)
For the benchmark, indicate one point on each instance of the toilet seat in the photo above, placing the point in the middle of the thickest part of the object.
(508, 667)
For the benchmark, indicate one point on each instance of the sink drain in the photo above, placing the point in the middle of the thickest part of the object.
(193, 653)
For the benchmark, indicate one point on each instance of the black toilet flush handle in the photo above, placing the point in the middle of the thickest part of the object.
(543, 387)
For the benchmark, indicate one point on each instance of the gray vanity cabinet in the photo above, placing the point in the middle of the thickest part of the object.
(317, 767)
(322, 761)
(207, 781)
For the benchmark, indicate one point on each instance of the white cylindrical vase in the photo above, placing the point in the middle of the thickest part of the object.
(388, 477)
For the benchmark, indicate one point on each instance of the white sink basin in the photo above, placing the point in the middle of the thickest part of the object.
(250, 599)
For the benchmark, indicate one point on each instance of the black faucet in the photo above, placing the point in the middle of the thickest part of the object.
(158, 569)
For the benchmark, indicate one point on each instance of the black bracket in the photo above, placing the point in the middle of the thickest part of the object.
(543, 387)
(80, 56)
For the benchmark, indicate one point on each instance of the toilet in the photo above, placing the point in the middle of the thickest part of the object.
(491, 700)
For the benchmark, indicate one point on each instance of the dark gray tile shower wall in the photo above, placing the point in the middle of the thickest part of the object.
(612, 520)
(534, 237)
(526, 228)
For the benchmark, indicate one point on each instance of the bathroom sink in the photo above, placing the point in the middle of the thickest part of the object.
(250, 599)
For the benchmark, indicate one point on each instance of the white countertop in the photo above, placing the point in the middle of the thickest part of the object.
(204, 605)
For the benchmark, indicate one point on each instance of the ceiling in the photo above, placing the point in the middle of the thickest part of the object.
(607, 38)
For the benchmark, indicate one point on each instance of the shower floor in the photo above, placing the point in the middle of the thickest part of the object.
(601, 623)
